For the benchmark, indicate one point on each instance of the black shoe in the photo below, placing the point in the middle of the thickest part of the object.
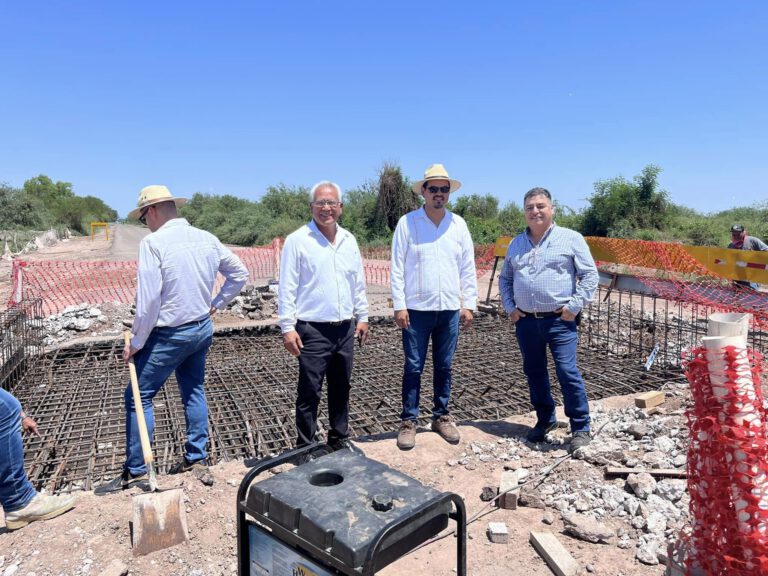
(185, 466)
(123, 482)
(539, 432)
(580, 439)
(344, 444)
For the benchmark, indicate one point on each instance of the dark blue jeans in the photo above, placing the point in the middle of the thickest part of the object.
(16, 491)
(443, 328)
(534, 336)
(183, 350)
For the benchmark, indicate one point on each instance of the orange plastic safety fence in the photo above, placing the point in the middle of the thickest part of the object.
(727, 465)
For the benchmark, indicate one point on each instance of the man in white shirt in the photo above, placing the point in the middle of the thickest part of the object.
(322, 309)
(434, 288)
(172, 330)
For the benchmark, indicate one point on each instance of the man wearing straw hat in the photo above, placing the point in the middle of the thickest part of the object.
(434, 289)
(172, 330)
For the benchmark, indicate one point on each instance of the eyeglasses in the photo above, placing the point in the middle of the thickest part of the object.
(324, 203)
(436, 189)
(143, 216)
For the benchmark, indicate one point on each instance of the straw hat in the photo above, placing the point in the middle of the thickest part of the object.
(436, 172)
(153, 195)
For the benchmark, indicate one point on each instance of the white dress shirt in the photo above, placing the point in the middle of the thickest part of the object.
(320, 281)
(433, 267)
(178, 264)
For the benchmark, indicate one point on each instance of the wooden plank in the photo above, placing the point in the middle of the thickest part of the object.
(650, 399)
(657, 472)
(554, 554)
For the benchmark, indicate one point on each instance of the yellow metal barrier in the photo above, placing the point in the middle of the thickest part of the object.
(95, 225)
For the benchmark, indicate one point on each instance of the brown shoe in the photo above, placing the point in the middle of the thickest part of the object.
(446, 429)
(406, 436)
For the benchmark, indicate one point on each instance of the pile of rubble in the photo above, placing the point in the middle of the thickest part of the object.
(644, 510)
(71, 321)
(255, 302)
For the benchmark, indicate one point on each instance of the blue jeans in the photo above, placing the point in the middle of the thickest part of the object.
(534, 336)
(16, 491)
(443, 327)
(183, 350)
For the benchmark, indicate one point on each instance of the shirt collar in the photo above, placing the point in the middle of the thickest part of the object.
(543, 238)
(173, 223)
(313, 229)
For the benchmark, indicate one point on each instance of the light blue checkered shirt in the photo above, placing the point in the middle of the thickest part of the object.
(542, 278)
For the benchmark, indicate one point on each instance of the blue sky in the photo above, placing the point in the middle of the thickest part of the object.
(231, 97)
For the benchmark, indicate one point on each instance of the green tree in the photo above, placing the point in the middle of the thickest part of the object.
(619, 207)
(359, 214)
(395, 196)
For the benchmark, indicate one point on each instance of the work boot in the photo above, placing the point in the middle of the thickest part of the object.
(41, 507)
(446, 429)
(406, 436)
(580, 439)
(185, 466)
(344, 444)
(123, 482)
(539, 432)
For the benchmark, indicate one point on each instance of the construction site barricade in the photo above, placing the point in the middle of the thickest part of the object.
(728, 454)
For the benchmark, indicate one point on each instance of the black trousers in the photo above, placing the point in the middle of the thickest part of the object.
(327, 353)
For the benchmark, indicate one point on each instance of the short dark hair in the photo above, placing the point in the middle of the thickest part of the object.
(537, 192)
(737, 229)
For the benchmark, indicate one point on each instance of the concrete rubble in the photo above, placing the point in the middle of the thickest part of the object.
(639, 511)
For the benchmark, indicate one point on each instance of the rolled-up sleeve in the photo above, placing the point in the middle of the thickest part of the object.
(359, 298)
(235, 276)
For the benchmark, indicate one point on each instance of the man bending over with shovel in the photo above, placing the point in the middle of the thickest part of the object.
(172, 330)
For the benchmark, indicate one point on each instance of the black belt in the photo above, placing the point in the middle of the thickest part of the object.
(339, 323)
(540, 315)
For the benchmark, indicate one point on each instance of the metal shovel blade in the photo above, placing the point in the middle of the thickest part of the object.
(159, 521)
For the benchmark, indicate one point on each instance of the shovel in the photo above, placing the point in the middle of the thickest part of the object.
(159, 519)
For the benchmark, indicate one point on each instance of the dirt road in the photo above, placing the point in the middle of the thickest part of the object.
(125, 243)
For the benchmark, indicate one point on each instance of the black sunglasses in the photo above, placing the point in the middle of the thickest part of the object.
(436, 189)
(143, 216)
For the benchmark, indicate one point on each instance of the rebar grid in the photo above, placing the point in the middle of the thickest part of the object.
(21, 337)
(77, 394)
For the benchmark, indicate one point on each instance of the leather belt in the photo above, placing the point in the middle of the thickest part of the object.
(540, 315)
(339, 323)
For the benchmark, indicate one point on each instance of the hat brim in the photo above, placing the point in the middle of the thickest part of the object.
(134, 214)
(455, 184)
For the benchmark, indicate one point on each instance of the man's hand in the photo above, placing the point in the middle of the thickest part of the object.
(292, 343)
(361, 333)
(515, 315)
(401, 319)
(566, 314)
(212, 311)
(129, 351)
(465, 317)
(29, 425)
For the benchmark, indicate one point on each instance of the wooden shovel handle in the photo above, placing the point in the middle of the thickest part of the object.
(146, 448)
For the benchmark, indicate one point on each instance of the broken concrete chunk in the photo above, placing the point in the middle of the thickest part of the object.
(554, 554)
(497, 532)
(642, 484)
(588, 529)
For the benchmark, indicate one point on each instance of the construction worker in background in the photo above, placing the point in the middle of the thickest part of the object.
(21, 503)
(434, 289)
(740, 241)
(322, 309)
(548, 277)
(172, 330)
